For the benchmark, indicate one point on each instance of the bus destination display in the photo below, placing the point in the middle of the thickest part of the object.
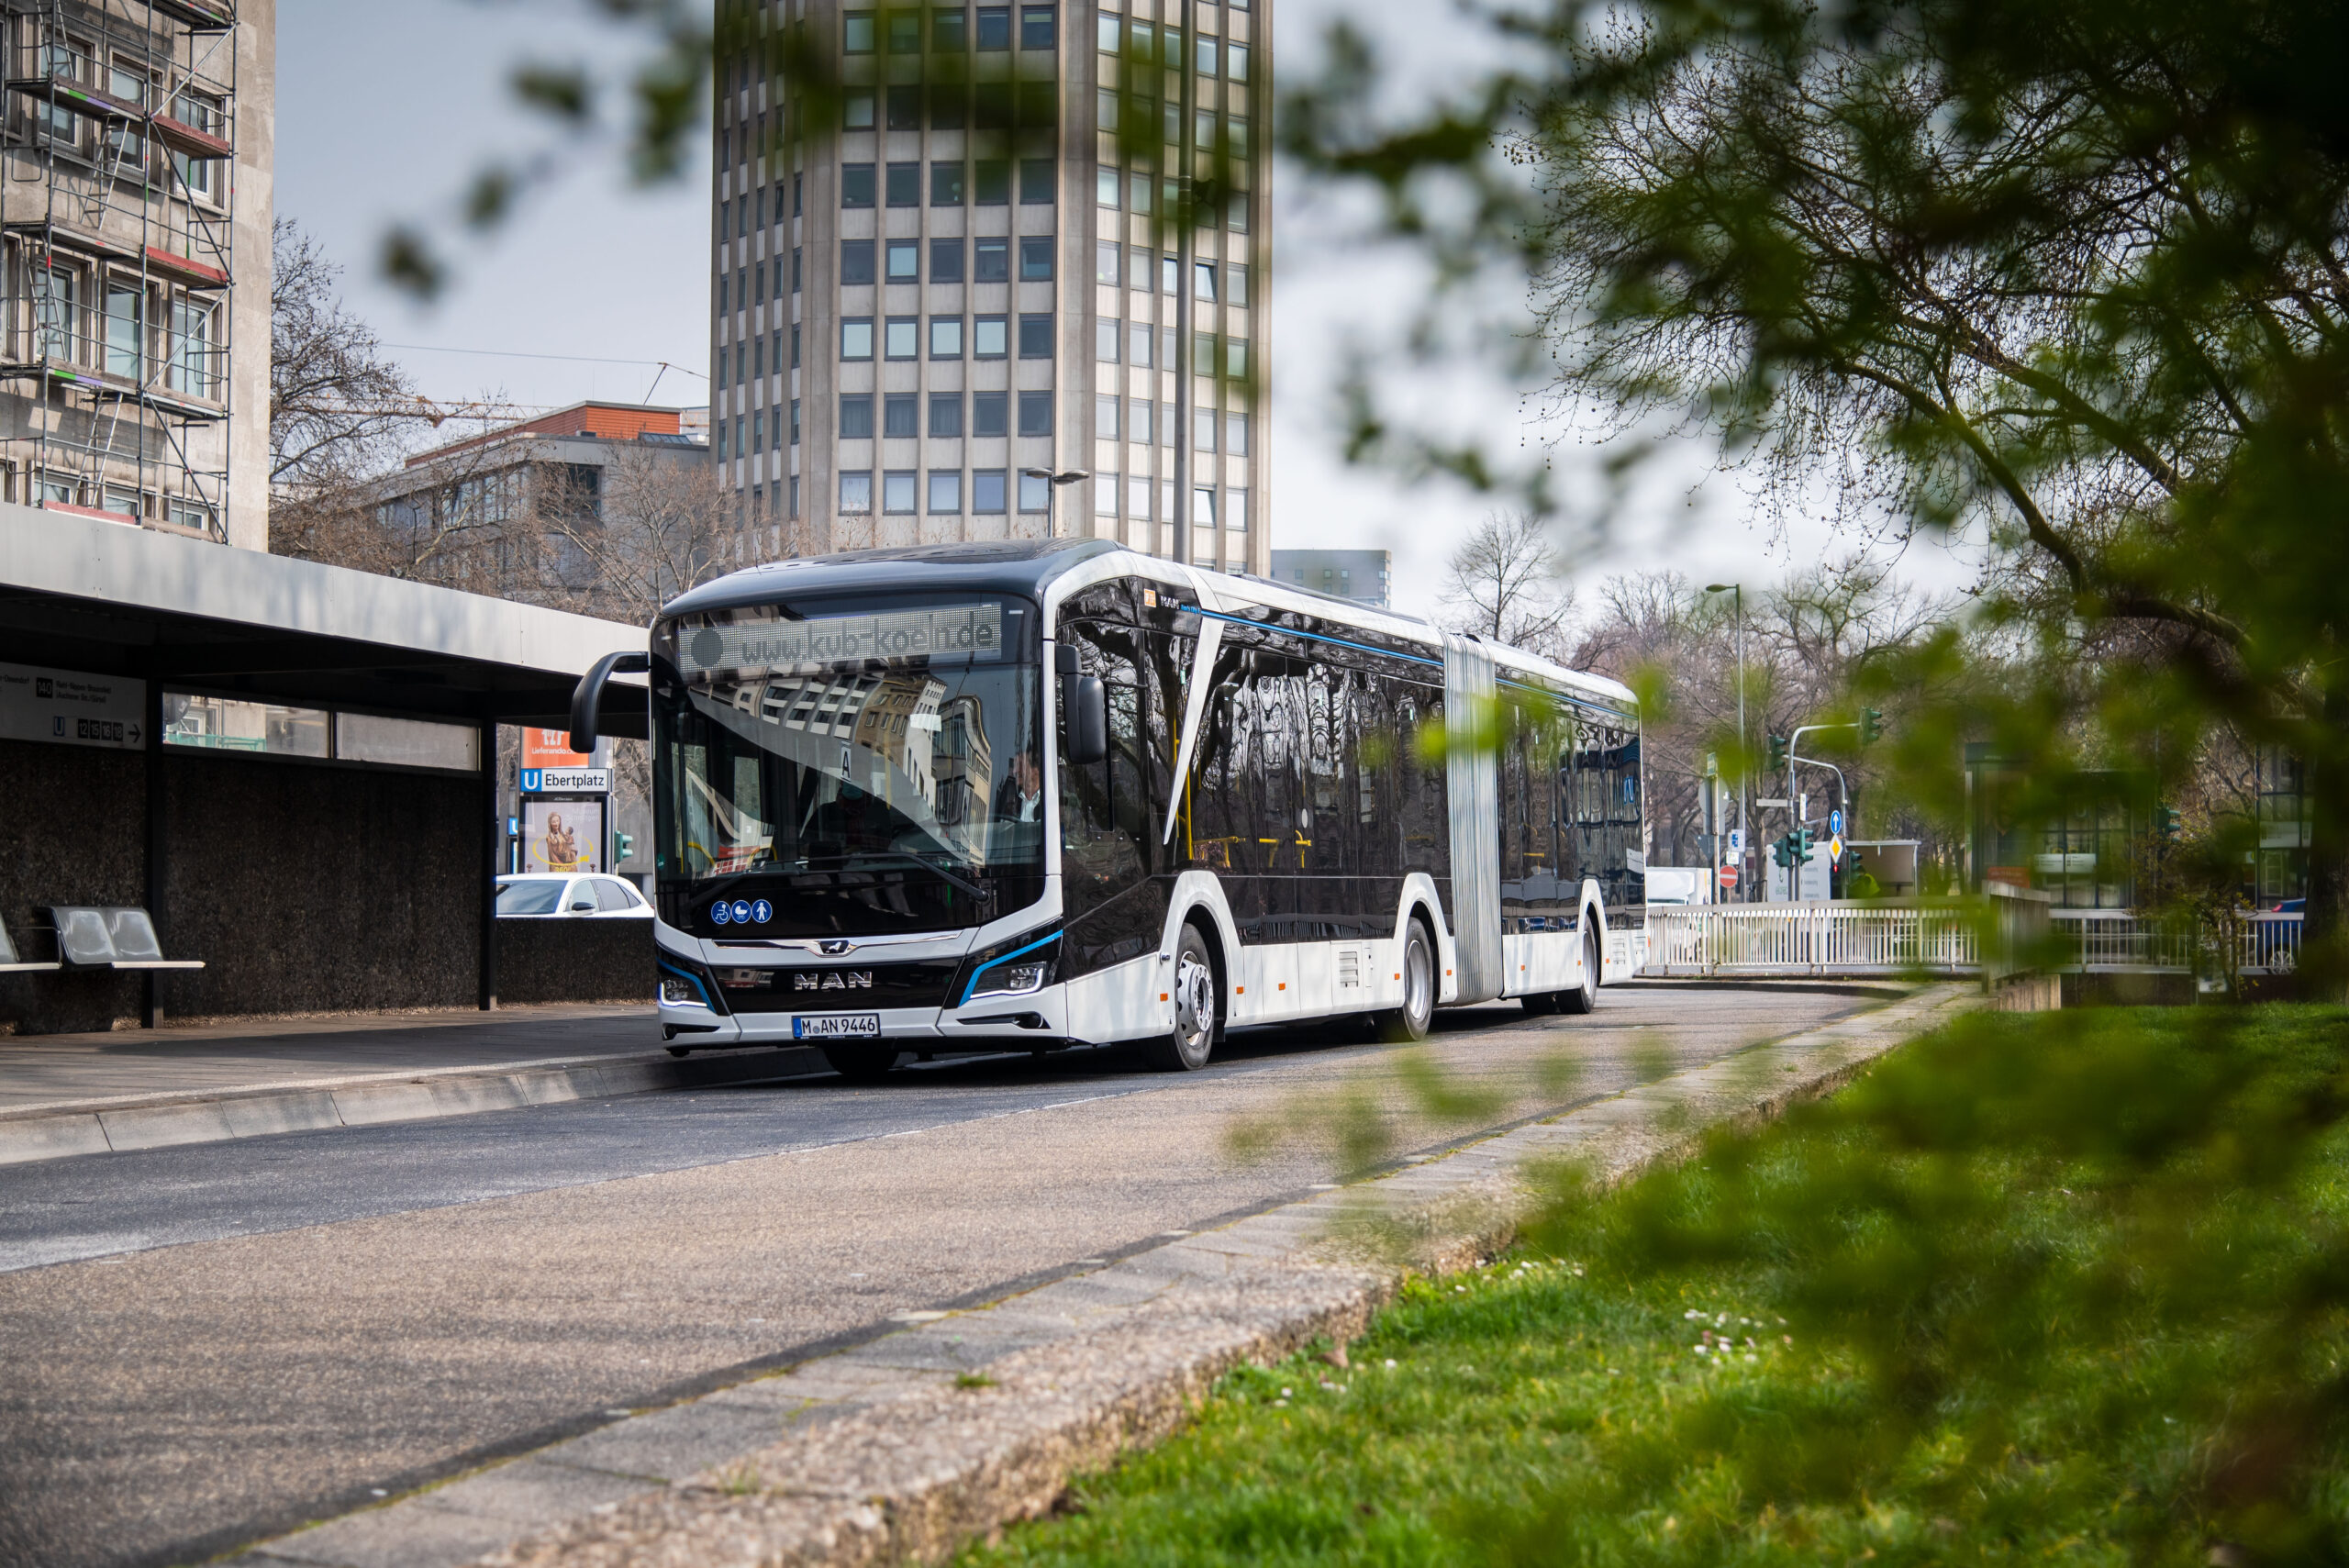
(942, 631)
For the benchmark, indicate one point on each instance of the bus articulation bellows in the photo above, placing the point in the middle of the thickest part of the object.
(1016, 796)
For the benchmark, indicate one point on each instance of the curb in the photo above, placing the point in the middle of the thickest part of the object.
(906, 1447)
(166, 1120)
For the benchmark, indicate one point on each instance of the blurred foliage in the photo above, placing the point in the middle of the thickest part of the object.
(2057, 1287)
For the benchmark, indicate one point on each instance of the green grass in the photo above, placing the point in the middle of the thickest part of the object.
(2067, 1288)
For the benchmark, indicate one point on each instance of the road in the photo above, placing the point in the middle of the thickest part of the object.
(210, 1344)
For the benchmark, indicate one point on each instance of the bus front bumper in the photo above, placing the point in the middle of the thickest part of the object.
(1036, 1021)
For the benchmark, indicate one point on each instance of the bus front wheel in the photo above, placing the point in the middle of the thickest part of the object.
(1198, 1009)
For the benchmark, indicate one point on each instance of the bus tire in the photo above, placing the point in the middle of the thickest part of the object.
(862, 1064)
(1540, 1002)
(1198, 1009)
(1583, 998)
(1416, 1017)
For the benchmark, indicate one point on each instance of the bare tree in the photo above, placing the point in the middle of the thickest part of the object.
(658, 527)
(337, 408)
(1504, 582)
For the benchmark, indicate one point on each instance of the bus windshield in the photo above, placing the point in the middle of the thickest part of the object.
(869, 766)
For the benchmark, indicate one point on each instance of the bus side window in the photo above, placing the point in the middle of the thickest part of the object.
(1104, 806)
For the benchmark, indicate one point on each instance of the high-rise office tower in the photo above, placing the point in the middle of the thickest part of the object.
(1013, 243)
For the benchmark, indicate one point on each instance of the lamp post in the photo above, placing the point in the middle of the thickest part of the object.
(1744, 770)
(1052, 503)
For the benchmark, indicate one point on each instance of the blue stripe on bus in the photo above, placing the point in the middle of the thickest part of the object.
(1314, 636)
(993, 963)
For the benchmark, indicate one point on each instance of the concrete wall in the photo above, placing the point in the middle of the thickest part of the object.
(304, 889)
(575, 960)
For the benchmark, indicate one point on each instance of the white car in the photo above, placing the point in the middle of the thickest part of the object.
(555, 895)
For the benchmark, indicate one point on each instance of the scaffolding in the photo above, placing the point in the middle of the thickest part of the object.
(116, 213)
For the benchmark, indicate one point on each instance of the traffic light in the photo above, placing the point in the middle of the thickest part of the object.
(1782, 850)
(1871, 725)
(1779, 745)
(2167, 823)
(623, 844)
(1802, 846)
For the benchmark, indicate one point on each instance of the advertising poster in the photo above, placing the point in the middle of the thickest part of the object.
(552, 749)
(562, 835)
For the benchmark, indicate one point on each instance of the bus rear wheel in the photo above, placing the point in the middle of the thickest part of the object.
(1198, 1009)
(1416, 1017)
(862, 1064)
(1583, 998)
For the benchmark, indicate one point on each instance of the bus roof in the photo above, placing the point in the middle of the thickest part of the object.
(1028, 566)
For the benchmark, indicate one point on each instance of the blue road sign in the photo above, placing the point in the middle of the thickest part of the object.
(1834, 822)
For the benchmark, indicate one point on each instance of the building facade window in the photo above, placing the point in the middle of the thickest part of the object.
(856, 494)
(902, 263)
(1035, 413)
(1035, 493)
(902, 337)
(990, 414)
(1036, 258)
(856, 32)
(1036, 337)
(993, 262)
(946, 490)
(1106, 334)
(904, 184)
(1235, 434)
(991, 182)
(949, 184)
(994, 31)
(946, 260)
(856, 417)
(990, 337)
(856, 262)
(898, 492)
(856, 185)
(945, 336)
(946, 418)
(856, 338)
(901, 415)
(856, 111)
(988, 497)
(1039, 179)
(1105, 417)
(1036, 29)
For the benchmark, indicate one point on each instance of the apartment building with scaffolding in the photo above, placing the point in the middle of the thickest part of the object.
(1017, 241)
(134, 383)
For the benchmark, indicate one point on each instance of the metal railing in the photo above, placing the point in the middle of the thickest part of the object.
(2014, 926)
(2117, 940)
(1813, 939)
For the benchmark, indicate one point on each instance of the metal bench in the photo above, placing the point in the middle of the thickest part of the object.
(11, 964)
(109, 938)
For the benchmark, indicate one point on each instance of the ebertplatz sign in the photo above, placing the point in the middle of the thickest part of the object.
(67, 707)
(566, 780)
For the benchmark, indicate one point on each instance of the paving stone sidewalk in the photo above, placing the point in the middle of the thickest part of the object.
(908, 1446)
(62, 1096)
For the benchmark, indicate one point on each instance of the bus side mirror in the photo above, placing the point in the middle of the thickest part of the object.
(1089, 721)
(587, 697)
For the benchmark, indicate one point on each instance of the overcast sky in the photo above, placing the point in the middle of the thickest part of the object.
(382, 112)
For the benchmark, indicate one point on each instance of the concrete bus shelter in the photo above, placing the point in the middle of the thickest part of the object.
(335, 856)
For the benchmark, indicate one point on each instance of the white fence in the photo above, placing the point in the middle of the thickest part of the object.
(2115, 940)
(1812, 938)
(1892, 939)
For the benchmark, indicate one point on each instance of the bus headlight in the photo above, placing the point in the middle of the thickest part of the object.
(1012, 980)
(679, 993)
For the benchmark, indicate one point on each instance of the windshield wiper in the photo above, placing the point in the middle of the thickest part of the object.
(859, 862)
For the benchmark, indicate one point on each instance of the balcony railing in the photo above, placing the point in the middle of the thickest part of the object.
(1901, 938)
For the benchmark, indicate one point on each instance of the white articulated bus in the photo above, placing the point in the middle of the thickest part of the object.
(1022, 795)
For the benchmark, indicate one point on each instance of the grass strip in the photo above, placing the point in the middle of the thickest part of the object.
(2068, 1287)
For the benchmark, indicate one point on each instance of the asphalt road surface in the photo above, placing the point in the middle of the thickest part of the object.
(210, 1344)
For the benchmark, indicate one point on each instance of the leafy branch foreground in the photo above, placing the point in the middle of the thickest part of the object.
(2073, 1286)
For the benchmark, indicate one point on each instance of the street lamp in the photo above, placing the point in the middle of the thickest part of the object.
(1052, 510)
(1745, 770)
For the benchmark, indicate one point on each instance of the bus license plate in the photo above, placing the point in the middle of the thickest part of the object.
(838, 1026)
